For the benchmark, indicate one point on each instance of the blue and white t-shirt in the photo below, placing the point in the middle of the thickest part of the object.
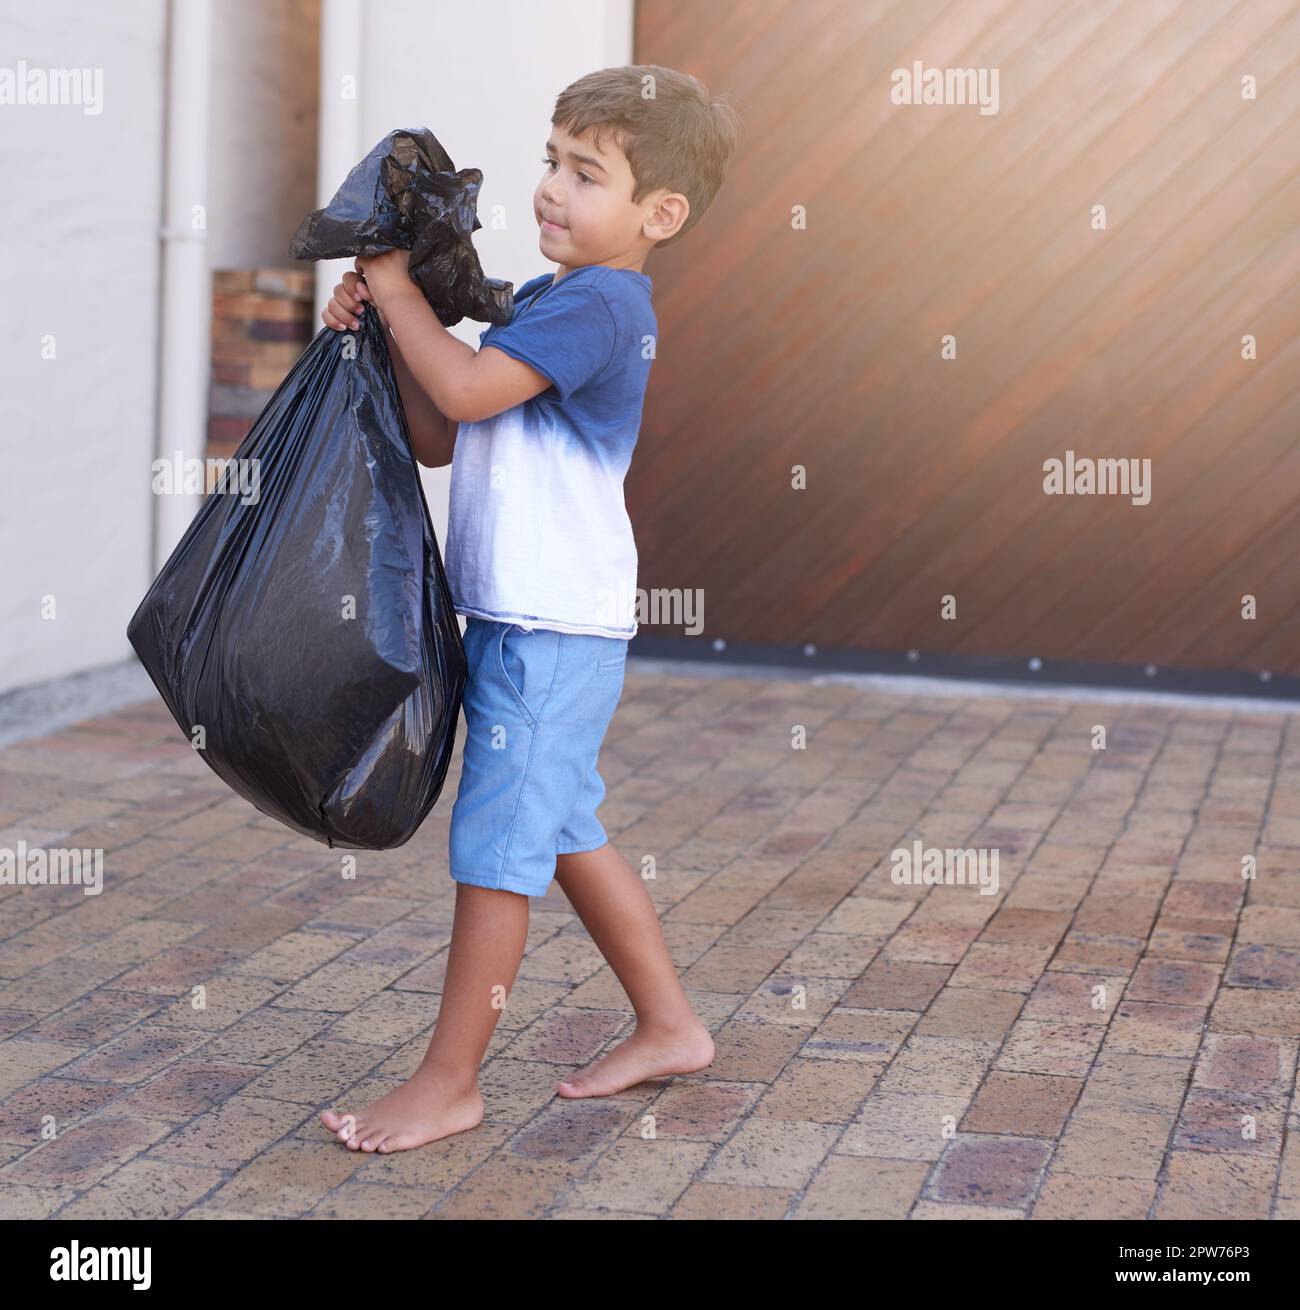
(538, 533)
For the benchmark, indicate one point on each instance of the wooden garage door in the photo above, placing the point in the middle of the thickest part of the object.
(821, 346)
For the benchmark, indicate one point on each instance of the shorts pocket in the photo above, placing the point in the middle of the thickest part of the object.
(614, 664)
(503, 658)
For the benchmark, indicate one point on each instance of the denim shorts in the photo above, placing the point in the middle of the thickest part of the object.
(537, 703)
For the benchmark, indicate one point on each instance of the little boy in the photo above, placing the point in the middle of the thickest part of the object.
(539, 430)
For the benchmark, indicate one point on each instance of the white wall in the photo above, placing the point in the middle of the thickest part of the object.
(81, 199)
(483, 79)
(81, 214)
(81, 209)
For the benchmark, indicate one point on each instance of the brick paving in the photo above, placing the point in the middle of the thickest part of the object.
(1112, 1035)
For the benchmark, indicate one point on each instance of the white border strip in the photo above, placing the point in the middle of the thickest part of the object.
(902, 684)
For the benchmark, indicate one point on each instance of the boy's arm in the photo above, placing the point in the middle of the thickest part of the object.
(464, 384)
(433, 434)
(433, 438)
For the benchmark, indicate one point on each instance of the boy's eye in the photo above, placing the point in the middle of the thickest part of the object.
(590, 181)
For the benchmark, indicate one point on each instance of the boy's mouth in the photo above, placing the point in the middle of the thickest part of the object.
(548, 226)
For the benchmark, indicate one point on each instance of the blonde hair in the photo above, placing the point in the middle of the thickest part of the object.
(673, 133)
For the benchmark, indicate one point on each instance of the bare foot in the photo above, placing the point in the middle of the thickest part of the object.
(422, 1109)
(642, 1056)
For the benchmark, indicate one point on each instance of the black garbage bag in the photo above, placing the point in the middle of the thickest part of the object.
(407, 193)
(310, 632)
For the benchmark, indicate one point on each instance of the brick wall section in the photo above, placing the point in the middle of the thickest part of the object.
(261, 323)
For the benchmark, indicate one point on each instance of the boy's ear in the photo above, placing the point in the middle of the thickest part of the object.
(667, 217)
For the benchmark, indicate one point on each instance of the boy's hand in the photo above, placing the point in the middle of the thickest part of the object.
(387, 275)
(345, 306)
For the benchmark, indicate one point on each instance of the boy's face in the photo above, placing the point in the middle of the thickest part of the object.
(587, 192)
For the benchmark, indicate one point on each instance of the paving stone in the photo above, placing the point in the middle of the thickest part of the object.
(293, 955)
(971, 1012)
(891, 984)
(1202, 1186)
(1146, 1028)
(571, 1129)
(288, 1179)
(339, 986)
(771, 1153)
(437, 1171)
(819, 1091)
(263, 1036)
(990, 1171)
(83, 1154)
(511, 1187)
(706, 1200)
(1070, 1196)
(882, 1050)
(230, 1134)
(175, 972)
(1232, 1123)
(1141, 1082)
(50, 1104)
(1114, 1142)
(641, 1176)
(858, 1187)
(750, 1051)
(1082, 952)
(1264, 966)
(794, 998)
(1021, 1104)
(223, 1001)
(1075, 998)
(1238, 1063)
(1052, 1047)
(185, 1089)
(1190, 939)
(938, 1066)
(696, 1111)
(864, 1036)
(356, 1199)
(319, 1069)
(144, 1189)
(903, 1127)
(566, 1036)
(937, 1210)
(999, 967)
(32, 1202)
(1173, 982)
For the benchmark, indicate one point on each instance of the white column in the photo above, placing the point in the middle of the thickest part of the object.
(339, 144)
(185, 351)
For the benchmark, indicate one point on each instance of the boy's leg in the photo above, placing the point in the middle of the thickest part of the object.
(617, 911)
(441, 1097)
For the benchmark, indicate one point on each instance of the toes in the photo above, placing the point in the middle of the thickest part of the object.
(341, 1125)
